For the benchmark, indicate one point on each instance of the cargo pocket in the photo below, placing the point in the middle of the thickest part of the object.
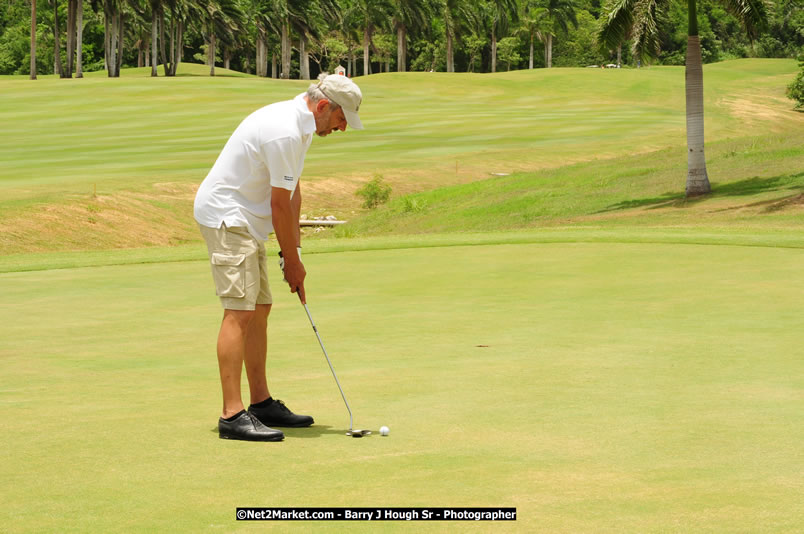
(229, 272)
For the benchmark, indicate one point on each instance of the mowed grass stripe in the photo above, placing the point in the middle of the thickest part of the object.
(631, 107)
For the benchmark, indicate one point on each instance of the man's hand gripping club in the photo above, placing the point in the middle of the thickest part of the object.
(282, 267)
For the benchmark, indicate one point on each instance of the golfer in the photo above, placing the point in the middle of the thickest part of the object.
(251, 191)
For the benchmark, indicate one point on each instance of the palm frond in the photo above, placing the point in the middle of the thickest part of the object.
(635, 20)
(563, 13)
(617, 25)
(645, 33)
(753, 14)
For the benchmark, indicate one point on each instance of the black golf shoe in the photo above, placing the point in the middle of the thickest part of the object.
(274, 413)
(246, 427)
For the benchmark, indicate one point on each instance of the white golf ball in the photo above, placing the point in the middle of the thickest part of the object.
(384, 430)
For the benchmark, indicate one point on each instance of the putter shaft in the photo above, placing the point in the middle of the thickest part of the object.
(330, 364)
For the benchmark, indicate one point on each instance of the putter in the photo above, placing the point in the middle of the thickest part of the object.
(355, 433)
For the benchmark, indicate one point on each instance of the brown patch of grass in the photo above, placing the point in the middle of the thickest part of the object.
(793, 202)
(159, 217)
(762, 110)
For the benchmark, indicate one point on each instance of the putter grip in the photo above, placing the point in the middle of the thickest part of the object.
(298, 293)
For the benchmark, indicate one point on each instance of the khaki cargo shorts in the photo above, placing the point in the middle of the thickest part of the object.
(238, 267)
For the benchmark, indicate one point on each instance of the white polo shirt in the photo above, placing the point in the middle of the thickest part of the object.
(266, 150)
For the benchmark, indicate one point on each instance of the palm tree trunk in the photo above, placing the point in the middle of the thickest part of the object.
(162, 35)
(304, 59)
(450, 53)
(107, 35)
(401, 60)
(33, 39)
(549, 51)
(171, 43)
(261, 55)
(697, 178)
(154, 41)
(71, 9)
(120, 42)
(79, 59)
(261, 60)
(619, 55)
(211, 52)
(264, 57)
(111, 58)
(176, 40)
(56, 41)
(273, 64)
(366, 41)
(493, 51)
(285, 74)
(178, 51)
(530, 61)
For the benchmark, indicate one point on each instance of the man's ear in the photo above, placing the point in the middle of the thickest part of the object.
(321, 105)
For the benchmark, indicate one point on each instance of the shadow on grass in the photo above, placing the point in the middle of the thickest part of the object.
(741, 188)
(315, 431)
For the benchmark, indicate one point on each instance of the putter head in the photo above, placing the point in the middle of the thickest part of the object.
(358, 433)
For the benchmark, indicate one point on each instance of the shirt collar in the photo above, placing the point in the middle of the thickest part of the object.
(306, 118)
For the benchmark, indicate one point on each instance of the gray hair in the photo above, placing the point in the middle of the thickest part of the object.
(314, 92)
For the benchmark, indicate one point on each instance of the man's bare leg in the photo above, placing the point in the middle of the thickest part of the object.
(232, 342)
(256, 354)
(274, 414)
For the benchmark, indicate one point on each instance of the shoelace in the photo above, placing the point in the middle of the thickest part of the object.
(282, 405)
(254, 421)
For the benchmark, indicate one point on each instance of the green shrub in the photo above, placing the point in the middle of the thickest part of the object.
(346, 231)
(374, 192)
(412, 205)
(795, 91)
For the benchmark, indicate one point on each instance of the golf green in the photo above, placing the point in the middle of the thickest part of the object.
(596, 387)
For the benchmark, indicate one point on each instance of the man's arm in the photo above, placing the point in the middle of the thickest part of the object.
(285, 218)
(295, 202)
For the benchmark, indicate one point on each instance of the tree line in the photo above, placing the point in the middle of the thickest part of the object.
(299, 38)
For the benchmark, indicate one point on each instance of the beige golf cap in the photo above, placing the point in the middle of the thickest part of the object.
(346, 94)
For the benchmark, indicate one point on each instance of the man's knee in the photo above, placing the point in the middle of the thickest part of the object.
(260, 318)
(242, 318)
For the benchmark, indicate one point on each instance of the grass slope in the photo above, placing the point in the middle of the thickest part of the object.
(100, 164)
(757, 184)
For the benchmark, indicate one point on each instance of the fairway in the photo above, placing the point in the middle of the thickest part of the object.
(596, 387)
(99, 164)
